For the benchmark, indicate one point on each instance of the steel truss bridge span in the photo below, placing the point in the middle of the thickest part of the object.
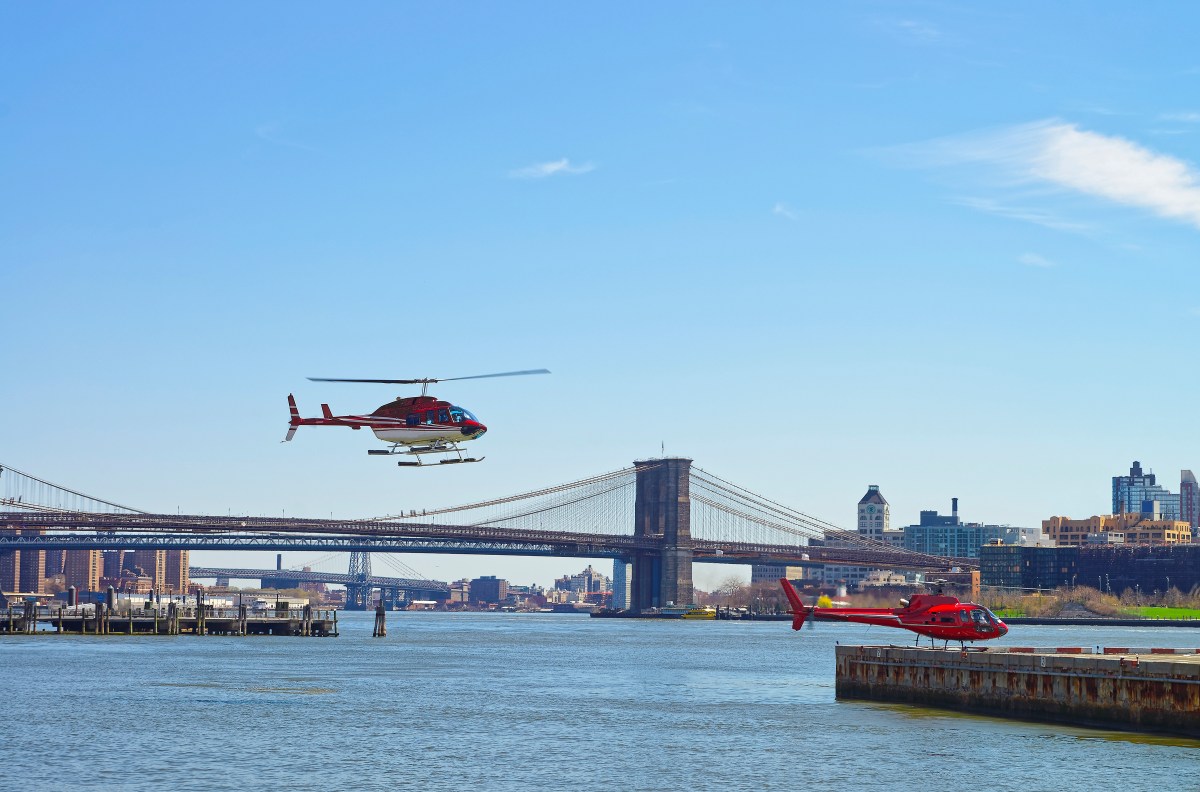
(87, 530)
(301, 576)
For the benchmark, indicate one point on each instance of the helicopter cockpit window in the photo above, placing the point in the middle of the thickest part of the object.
(443, 416)
(462, 413)
(981, 619)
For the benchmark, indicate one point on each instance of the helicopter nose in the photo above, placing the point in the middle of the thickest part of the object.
(474, 430)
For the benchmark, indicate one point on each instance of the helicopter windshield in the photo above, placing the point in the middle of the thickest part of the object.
(458, 414)
(983, 618)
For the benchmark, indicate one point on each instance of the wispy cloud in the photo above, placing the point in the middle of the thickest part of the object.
(1034, 260)
(783, 210)
(542, 170)
(1038, 216)
(1187, 118)
(1061, 156)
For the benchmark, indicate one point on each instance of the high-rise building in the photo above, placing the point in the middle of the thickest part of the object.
(1140, 493)
(177, 576)
(621, 580)
(82, 568)
(10, 571)
(1189, 501)
(152, 564)
(33, 570)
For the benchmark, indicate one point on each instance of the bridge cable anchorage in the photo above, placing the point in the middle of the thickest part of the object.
(24, 491)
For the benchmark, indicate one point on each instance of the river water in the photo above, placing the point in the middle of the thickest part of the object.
(530, 702)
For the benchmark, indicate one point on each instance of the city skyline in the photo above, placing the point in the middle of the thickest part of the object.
(927, 247)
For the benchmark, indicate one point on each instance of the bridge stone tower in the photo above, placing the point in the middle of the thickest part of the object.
(663, 511)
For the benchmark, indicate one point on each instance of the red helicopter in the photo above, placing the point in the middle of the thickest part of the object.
(414, 425)
(934, 615)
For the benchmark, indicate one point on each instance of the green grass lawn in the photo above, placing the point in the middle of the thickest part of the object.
(1006, 613)
(1151, 612)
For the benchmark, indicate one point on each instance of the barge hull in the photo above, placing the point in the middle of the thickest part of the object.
(1155, 692)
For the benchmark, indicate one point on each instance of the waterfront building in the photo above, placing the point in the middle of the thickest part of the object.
(589, 581)
(1110, 568)
(771, 573)
(1136, 528)
(1140, 493)
(460, 592)
(489, 589)
(948, 535)
(622, 580)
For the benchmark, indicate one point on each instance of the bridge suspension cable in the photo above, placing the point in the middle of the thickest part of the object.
(735, 513)
(20, 490)
(600, 504)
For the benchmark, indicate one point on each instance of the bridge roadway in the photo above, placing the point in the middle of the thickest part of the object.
(89, 530)
(301, 576)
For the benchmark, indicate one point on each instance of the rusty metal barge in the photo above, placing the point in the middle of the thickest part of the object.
(1126, 688)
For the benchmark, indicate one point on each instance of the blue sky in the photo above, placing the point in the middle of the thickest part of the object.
(947, 249)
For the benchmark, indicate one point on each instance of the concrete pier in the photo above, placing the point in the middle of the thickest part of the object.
(171, 619)
(1128, 688)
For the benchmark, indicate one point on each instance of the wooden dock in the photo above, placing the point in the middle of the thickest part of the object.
(1128, 688)
(165, 619)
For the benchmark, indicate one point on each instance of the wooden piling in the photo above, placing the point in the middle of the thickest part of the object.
(380, 623)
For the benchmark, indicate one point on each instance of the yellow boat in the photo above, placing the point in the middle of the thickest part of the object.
(697, 612)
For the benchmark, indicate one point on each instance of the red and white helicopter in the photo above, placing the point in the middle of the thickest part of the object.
(936, 616)
(414, 425)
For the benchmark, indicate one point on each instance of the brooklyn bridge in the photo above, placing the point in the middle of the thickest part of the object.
(658, 515)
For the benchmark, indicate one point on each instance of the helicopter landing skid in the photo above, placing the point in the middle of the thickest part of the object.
(419, 451)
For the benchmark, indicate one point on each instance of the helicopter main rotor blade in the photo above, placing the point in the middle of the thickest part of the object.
(501, 374)
(383, 381)
(428, 380)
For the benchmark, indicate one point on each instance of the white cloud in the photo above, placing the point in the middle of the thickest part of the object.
(1187, 118)
(1068, 158)
(783, 210)
(1034, 260)
(541, 170)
